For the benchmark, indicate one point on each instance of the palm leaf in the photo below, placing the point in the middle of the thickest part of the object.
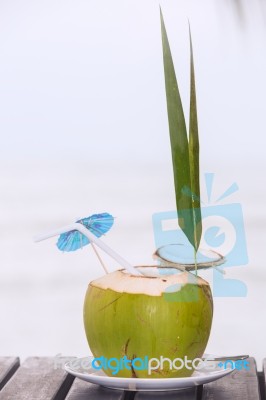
(185, 156)
(194, 153)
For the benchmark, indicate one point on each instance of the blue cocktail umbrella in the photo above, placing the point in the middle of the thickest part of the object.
(97, 224)
(93, 239)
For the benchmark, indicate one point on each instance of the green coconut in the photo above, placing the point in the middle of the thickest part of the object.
(144, 317)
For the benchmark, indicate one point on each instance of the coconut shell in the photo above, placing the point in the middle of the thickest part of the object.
(139, 316)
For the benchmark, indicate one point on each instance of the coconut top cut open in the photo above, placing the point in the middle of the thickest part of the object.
(155, 282)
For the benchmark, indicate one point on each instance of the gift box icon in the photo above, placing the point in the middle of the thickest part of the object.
(223, 232)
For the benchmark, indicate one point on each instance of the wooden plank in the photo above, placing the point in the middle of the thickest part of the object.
(239, 385)
(8, 366)
(81, 390)
(262, 376)
(37, 379)
(187, 394)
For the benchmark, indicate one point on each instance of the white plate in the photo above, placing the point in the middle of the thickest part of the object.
(79, 369)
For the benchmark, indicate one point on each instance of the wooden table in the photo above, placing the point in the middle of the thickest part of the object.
(37, 379)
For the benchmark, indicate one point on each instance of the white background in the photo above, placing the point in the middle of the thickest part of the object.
(84, 129)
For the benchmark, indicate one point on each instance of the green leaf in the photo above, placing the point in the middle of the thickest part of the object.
(185, 156)
(194, 153)
(179, 141)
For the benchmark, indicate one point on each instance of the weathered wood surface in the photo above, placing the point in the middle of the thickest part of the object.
(37, 379)
(81, 390)
(239, 385)
(188, 394)
(263, 380)
(8, 366)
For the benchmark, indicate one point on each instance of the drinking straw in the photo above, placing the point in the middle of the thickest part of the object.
(99, 258)
(92, 238)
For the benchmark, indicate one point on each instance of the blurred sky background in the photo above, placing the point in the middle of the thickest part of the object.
(84, 130)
